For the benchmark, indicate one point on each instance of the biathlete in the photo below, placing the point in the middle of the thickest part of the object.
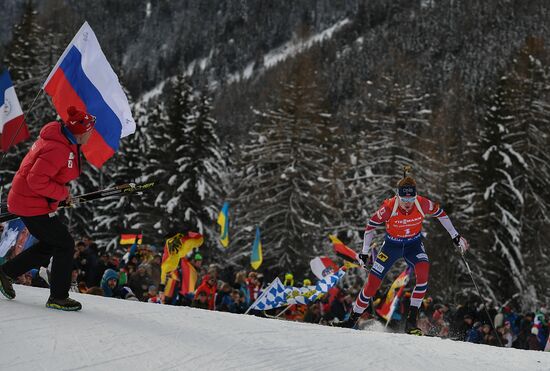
(402, 216)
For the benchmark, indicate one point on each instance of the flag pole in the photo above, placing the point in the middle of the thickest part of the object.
(284, 310)
(264, 293)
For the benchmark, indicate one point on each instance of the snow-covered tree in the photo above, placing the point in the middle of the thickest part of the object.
(28, 59)
(505, 263)
(186, 159)
(285, 170)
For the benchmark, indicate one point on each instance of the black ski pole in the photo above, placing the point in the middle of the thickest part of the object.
(120, 190)
(481, 297)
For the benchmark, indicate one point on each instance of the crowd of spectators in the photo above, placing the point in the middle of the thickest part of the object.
(137, 277)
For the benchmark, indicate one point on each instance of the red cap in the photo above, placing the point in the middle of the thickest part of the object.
(79, 122)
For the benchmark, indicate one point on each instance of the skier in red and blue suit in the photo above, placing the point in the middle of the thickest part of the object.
(402, 216)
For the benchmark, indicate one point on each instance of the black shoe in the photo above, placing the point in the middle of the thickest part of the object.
(410, 324)
(6, 285)
(349, 322)
(67, 304)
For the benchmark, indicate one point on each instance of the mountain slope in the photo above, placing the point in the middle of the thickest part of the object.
(125, 335)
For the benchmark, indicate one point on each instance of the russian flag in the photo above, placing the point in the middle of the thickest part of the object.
(12, 124)
(84, 78)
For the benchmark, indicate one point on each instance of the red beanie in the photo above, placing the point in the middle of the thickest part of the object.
(79, 122)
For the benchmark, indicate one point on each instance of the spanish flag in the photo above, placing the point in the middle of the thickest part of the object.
(129, 239)
(175, 248)
(256, 258)
(188, 277)
(223, 221)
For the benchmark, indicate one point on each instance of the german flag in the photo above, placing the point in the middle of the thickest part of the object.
(343, 251)
(178, 247)
(129, 239)
(188, 277)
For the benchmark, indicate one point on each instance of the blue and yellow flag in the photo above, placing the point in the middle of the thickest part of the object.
(223, 221)
(256, 258)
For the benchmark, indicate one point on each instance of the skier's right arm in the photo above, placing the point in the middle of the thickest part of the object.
(378, 220)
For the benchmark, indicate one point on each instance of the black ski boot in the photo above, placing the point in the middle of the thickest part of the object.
(349, 322)
(67, 304)
(6, 285)
(410, 324)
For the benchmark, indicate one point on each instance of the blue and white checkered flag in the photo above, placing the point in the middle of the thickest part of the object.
(299, 295)
(272, 297)
(309, 294)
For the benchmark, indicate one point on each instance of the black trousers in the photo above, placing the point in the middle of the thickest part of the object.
(54, 240)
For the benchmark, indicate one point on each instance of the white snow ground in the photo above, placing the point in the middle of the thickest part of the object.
(111, 334)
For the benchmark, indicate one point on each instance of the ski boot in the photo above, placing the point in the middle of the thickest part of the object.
(349, 322)
(67, 304)
(6, 285)
(410, 324)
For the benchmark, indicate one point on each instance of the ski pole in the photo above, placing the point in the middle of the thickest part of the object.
(481, 297)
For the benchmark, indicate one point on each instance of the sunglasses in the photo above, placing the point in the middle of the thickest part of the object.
(407, 199)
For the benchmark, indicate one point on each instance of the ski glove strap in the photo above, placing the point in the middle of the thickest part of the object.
(461, 244)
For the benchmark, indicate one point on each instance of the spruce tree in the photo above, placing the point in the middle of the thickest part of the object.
(283, 177)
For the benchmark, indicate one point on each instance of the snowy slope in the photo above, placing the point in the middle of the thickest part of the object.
(110, 334)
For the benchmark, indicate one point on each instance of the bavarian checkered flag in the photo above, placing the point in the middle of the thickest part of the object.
(309, 294)
(272, 297)
(277, 295)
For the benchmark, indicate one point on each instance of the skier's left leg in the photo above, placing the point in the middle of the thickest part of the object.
(417, 258)
(389, 253)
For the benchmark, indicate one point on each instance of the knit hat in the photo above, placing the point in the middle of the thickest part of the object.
(79, 122)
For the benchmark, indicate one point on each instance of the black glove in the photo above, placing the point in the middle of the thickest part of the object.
(461, 244)
(364, 260)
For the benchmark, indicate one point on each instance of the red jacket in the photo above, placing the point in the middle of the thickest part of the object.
(209, 290)
(40, 182)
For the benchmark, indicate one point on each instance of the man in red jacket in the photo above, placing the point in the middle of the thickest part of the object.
(37, 188)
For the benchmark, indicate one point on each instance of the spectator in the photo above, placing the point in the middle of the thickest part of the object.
(488, 336)
(152, 295)
(201, 301)
(506, 334)
(313, 313)
(474, 335)
(111, 288)
(289, 279)
(424, 323)
(223, 298)
(439, 312)
(464, 327)
(238, 305)
(532, 340)
(155, 270)
(499, 318)
(253, 286)
(241, 285)
(74, 281)
(139, 282)
(209, 287)
(340, 306)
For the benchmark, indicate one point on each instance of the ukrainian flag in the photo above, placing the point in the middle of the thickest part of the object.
(256, 258)
(223, 221)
